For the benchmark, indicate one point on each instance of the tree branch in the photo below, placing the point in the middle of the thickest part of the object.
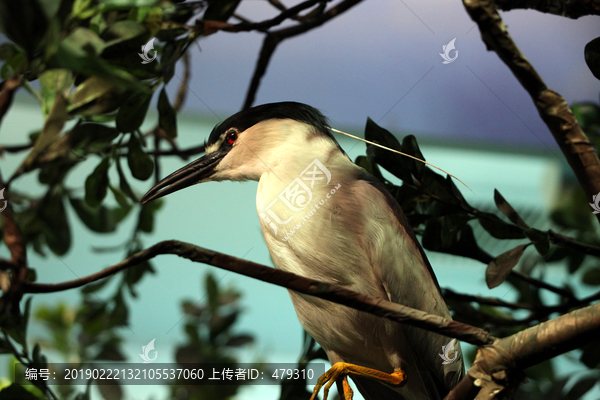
(7, 92)
(566, 8)
(497, 367)
(552, 108)
(274, 38)
(392, 311)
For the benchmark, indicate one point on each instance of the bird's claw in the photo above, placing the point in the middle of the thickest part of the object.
(342, 370)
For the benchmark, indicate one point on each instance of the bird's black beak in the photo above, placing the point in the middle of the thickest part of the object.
(195, 172)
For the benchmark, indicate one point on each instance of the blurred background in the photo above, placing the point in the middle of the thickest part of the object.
(381, 59)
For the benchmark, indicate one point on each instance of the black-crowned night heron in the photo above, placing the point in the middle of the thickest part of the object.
(326, 218)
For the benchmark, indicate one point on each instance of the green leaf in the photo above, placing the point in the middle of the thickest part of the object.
(80, 6)
(450, 226)
(16, 391)
(16, 65)
(220, 10)
(99, 219)
(119, 196)
(96, 95)
(499, 268)
(592, 56)
(121, 31)
(212, 291)
(167, 118)
(120, 314)
(135, 274)
(112, 391)
(132, 113)
(23, 22)
(92, 138)
(540, 239)
(147, 215)
(97, 183)
(140, 163)
(498, 228)
(52, 82)
(52, 128)
(590, 354)
(411, 147)
(110, 351)
(239, 340)
(588, 116)
(580, 388)
(56, 225)
(80, 52)
(398, 165)
(123, 184)
(94, 287)
(220, 324)
(80, 43)
(592, 276)
(507, 210)
(171, 54)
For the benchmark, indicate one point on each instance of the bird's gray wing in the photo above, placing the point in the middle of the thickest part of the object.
(428, 345)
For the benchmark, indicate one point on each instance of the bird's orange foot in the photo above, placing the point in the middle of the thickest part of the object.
(341, 370)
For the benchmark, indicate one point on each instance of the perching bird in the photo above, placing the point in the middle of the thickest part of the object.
(325, 218)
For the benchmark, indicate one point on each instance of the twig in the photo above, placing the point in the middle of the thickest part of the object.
(543, 285)
(15, 148)
(183, 85)
(327, 291)
(566, 8)
(565, 241)
(490, 301)
(274, 38)
(7, 92)
(184, 154)
(265, 25)
(267, 50)
(553, 109)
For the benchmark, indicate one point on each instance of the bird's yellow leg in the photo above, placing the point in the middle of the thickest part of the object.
(342, 370)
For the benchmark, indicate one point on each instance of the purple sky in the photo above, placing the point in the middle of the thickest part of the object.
(381, 59)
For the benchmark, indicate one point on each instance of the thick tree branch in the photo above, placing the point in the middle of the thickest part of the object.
(327, 291)
(497, 366)
(566, 8)
(552, 108)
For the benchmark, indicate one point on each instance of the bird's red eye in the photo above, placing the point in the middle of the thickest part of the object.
(232, 137)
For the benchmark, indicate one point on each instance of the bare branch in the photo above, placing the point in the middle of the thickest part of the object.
(267, 50)
(566, 8)
(183, 85)
(327, 291)
(490, 301)
(552, 108)
(274, 38)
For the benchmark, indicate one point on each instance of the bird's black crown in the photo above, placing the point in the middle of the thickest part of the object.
(284, 110)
